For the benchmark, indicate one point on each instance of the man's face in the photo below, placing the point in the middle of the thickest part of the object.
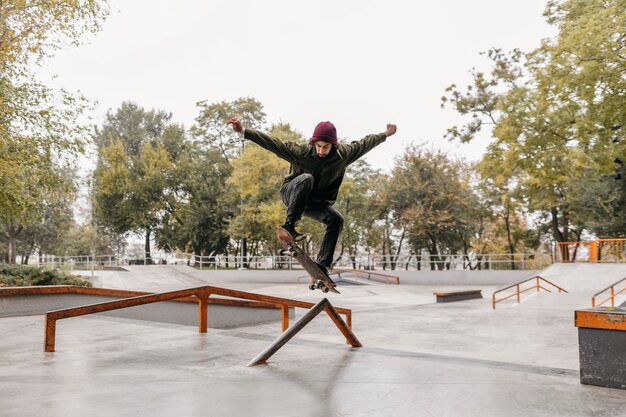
(322, 148)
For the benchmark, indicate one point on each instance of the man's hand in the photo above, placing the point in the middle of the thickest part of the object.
(236, 124)
(391, 130)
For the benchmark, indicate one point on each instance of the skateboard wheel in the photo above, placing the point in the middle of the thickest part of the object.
(325, 290)
(312, 287)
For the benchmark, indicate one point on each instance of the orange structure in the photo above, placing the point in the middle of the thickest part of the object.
(595, 251)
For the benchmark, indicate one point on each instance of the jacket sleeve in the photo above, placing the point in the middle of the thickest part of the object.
(357, 149)
(288, 151)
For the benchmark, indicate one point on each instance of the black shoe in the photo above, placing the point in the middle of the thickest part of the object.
(325, 270)
(297, 236)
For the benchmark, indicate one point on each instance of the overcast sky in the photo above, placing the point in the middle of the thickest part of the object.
(359, 64)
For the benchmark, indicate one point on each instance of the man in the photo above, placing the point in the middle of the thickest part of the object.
(316, 173)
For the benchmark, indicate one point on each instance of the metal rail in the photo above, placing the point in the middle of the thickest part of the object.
(111, 292)
(518, 291)
(502, 261)
(611, 297)
(370, 274)
(323, 305)
(201, 294)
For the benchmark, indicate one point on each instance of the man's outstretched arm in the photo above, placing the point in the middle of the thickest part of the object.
(287, 151)
(356, 150)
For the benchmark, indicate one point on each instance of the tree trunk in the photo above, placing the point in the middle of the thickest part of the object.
(507, 224)
(397, 255)
(12, 231)
(560, 236)
(244, 253)
(148, 259)
(385, 240)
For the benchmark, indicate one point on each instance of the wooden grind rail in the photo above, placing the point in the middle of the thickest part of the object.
(202, 295)
(518, 291)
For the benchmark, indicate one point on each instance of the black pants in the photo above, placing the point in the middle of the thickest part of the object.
(295, 196)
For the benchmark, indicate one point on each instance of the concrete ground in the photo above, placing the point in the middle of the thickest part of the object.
(420, 358)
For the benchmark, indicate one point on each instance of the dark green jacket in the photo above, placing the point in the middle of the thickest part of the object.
(328, 171)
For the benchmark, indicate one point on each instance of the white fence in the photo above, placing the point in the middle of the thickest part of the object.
(366, 262)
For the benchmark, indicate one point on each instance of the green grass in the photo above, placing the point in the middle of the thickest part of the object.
(26, 276)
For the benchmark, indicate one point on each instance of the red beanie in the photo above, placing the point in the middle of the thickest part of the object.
(326, 132)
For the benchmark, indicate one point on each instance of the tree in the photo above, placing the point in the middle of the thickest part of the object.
(211, 128)
(133, 183)
(199, 219)
(431, 200)
(30, 182)
(557, 112)
(38, 131)
(602, 200)
(49, 233)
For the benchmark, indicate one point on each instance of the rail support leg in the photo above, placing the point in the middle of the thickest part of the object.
(304, 320)
(203, 320)
(51, 327)
(285, 316)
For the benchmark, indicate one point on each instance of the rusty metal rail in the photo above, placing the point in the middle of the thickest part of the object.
(518, 291)
(610, 297)
(111, 292)
(201, 295)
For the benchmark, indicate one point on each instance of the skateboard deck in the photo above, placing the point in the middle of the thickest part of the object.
(322, 281)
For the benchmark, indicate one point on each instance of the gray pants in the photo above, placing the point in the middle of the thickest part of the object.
(295, 196)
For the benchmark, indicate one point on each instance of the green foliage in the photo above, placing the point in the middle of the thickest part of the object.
(84, 240)
(22, 276)
(38, 129)
(601, 201)
(431, 199)
(136, 182)
(557, 112)
(199, 217)
(357, 203)
(211, 128)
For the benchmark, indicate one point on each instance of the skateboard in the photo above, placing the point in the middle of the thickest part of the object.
(322, 281)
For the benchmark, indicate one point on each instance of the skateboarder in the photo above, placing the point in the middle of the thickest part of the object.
(317, 170)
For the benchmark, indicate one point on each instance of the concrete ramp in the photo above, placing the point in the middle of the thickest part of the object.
(153, 278)
(585, 278)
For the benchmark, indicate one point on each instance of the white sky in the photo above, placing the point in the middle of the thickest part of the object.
(359, 64)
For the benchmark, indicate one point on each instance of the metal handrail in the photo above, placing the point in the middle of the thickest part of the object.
(611, 297)
(202, 294)
(369, 274)
(518, 292)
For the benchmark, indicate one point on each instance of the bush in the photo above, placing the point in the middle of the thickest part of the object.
(25, 276)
